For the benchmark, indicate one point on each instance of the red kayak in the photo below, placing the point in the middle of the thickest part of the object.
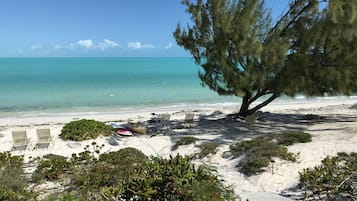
(124, 132)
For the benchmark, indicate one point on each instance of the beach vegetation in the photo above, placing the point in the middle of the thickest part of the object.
(128, 174)
(334, 179)
(241, 51)
(256, 154)
(184, 141)
(50, 167)
(84, 130)
(13, 182)
(63, 197)
(207, 148)
(292, 137)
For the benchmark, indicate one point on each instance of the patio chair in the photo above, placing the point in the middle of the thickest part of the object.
(20, 140)
(189, 120)
(43, 138)
(164, 124)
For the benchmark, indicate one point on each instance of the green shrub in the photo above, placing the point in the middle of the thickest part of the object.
(174, 179)
(254, 164)
(63, 197)
(6, 160)
(84, 130)
(257, 154)
(335, 178)
(51, 167)
(130, 175)
(354, 106)
(292, 137)
(206, 149)
(184, 141)
(13, 182)
(127, 156)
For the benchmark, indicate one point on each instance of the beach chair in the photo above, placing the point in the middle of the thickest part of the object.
(20, 140)
(43, 138)
(189, 120)
(164, 124)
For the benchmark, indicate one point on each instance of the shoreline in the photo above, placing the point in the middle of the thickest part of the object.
(57, 117)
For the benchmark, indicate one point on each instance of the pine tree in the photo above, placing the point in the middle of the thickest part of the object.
(309, 50)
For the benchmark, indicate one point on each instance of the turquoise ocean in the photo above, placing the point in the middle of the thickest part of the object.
(51, 85)
(100, 84)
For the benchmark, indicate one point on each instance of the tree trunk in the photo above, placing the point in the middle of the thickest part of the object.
(246, 101)
(244, 108)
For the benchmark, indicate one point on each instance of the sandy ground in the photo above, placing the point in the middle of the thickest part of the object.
(335, 133)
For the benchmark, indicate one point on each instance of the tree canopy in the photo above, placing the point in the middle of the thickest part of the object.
(311, 49)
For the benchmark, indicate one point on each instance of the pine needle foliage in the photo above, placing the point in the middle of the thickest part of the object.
(334, 179)
(241, 52)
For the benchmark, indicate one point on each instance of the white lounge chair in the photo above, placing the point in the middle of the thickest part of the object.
(164, 124)
(20, 140)
(189, 120)
(43, 138)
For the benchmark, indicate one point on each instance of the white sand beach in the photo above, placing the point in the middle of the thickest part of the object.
(336, 133)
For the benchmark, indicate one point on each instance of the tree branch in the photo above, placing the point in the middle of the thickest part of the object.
(266, 102)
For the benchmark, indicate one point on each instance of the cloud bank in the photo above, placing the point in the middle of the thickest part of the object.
(138, 45)
(89, 44)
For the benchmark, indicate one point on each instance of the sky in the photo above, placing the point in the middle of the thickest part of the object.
(95, 28)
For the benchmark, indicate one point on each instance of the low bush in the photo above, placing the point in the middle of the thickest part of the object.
(257, 154)
(84, 130)
(206, 149)
(127, 156)
(63, 197)
(50, 168)
(128, 174)
(13, 182)
(184, 141)
(172, 179)
(292, 137)
(334, 179)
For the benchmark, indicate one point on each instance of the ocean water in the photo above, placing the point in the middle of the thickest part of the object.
(99, 84)
(81, 85)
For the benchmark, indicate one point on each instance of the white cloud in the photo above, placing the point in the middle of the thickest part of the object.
(85, 43)
(107, 44)
(36, 47)
(168, 46)
(138, 45)
(88, 44)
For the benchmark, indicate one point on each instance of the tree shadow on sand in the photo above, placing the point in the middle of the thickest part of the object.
(220, 129)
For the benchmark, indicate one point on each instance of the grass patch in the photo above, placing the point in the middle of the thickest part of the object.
(259, 152)
(292, 137)
(184, 141)
(84, 129)
(354, 106)
(206, 149)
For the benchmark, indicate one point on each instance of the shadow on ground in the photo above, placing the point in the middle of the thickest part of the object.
(227, 131)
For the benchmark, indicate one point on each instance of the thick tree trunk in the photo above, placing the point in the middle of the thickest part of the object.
(244, 108)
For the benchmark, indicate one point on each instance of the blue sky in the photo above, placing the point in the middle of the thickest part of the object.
(94, 28)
